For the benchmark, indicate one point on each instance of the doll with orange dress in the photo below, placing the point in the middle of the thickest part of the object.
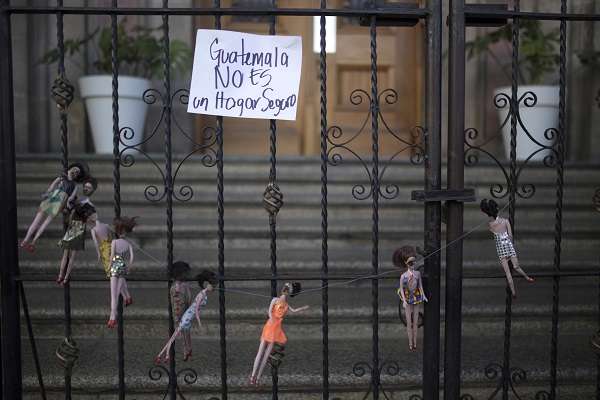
(272, 332)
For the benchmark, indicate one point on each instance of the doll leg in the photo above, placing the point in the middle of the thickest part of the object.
(41, 229)
(409, 323)
(263, 363)
(164, 353)
(33, 227)
(515, 263)
(257, 360)
(415, 324)
(63, 265)
(71, 257)
(114, 300)
(187, 345)
(124, 291)
(509, 279)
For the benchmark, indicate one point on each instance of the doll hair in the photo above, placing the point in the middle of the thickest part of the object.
(91, 180)
(293, 289)
(206, 276)
(83, 170)
(179, 270)
(124, 225)
(402, 254)
(489, 207)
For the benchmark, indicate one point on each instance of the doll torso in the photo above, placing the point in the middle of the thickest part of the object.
(273, 330)
(188, 317)
(56, 198)
(74, 237)
(411, 288)
(279, 310)
(180, 299)
(504, 245)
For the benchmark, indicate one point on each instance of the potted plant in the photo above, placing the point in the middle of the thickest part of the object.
(140, 55)
(537, 57)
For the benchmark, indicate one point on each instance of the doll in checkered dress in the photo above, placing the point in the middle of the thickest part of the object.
(502, 231)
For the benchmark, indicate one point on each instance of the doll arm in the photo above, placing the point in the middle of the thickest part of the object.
(72, 197)
(53, 185)
(112, 249)
(509, 229)
(402, 291)
(95, 239)
(421, 287)
(130, 254)
(271, 306)
(298, 309)
(198, 303)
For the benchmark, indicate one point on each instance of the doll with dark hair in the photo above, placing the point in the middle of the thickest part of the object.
(272, 332)
(61, 193)
(206, 280)
(181, 298)
(121, 259)
(82, 214)
(410, 291)
(503, 236)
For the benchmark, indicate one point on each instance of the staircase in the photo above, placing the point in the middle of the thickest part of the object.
(247, 254)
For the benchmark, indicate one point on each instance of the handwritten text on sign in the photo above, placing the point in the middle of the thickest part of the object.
(243, 75)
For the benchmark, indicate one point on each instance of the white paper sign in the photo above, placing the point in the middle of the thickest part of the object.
(244, 75)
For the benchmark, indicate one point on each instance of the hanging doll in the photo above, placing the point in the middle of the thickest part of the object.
(60, 193)
(410, 291)
(181, 298)
(83, 213)
(206, 280)
(502, 231)
(272, 332)
(121, 259)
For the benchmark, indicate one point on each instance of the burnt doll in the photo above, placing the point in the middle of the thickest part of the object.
(181, 299)
(82, 214)
(206, 280)
(503, 236)
(61, 192)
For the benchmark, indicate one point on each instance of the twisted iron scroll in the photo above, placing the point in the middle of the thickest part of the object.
(338, 143)
(190, 376)
(153, 193)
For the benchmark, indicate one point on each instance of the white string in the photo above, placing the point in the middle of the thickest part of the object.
(343, 283)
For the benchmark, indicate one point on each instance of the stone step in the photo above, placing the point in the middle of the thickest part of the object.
(96, 369)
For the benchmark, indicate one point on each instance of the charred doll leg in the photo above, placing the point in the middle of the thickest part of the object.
(264, 360)
(164, 353)
(515, 263)
(187, 343)
(509, 278)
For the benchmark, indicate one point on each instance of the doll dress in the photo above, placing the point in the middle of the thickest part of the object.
(504, 246)
(118, 265)
(188, 316)
(56, 198)
(272, 331)
(74, 238)
(104, 247)
(412, 291)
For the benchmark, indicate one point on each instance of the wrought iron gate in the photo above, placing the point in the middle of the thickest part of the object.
(427, 149)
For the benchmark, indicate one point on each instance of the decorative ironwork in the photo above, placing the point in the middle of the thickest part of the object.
(153, 193)
(338, 144)
(512, 377)
(62, 92)
(276, 356)
(391, 368)
(67, 353)
(188, 375)
(272, 199)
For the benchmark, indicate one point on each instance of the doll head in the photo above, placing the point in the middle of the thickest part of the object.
(77, 171)
(179, 271)
(207, 280)
(90, 184)
(291, 289)
(92, 219)
(405, 257)
(124, 225)
(489, 207)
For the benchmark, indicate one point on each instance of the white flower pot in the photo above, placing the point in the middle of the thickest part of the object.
(96, 90)
(537, 120)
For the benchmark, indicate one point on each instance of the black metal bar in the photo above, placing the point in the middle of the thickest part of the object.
(221, 239)
(559, 199)
(375, 372)
(117, 192)
(9, 293)
(267, 11)
(324, 215)
(32, 343)
(433, 181)
(169, 188)
(438, 195)
(456, 159)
